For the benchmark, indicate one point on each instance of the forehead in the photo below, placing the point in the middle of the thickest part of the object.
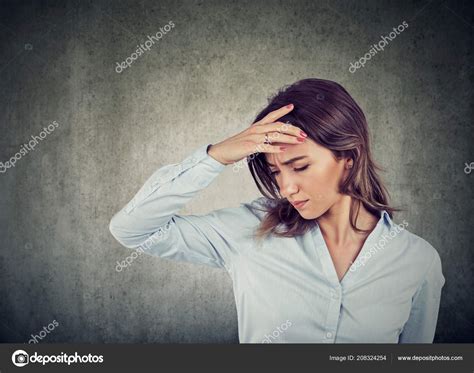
(293, 151)
(310, 149)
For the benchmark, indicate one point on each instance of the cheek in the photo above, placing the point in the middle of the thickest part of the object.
(323, 183)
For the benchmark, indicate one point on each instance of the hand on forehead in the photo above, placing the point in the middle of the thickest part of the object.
(280, 157)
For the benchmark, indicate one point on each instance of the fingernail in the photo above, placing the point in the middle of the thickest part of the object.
(289, 106)
(303, 134)
(283, 148)
(300, 139)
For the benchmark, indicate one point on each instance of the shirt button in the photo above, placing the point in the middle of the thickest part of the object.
(328, 335)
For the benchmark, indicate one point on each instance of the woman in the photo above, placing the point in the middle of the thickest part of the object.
(318, 258)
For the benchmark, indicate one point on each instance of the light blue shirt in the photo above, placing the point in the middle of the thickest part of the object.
(287, 289)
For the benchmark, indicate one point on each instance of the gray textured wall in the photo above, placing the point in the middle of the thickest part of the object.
(203, 81)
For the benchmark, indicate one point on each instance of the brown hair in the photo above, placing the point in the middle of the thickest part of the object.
(326, 112)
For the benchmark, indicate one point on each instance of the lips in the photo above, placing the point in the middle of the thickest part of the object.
(299, 204)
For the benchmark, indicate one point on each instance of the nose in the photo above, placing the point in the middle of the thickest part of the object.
(288, 186)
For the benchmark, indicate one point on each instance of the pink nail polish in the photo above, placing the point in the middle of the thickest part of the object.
(300, 139)
(303, 134)
(289, 106)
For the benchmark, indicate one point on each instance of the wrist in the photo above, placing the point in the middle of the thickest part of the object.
(211, 151)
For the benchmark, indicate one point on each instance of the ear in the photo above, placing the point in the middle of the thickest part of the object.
(349, 163)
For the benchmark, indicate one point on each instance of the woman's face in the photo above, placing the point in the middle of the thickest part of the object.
(314, 176)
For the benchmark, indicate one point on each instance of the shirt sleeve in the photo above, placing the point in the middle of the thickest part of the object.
(421, 324)
(150, 223)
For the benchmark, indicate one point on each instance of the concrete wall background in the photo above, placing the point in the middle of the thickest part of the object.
(203, 81)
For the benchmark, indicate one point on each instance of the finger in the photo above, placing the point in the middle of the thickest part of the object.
(280, 127)
(266, 148)
(277, 137)
(276, 114)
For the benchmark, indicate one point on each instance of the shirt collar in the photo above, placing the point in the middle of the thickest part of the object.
(385, 218)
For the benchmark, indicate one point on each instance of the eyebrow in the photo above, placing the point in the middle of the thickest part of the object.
(289, 160)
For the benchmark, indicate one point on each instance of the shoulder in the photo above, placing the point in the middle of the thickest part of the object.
(421, 255)
(418, 247)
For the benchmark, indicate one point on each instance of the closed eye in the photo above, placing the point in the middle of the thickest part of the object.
(295, 169)
(301, 168)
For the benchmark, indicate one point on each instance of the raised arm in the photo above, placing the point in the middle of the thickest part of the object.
(150, 220)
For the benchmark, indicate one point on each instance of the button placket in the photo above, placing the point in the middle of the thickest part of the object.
(188, 163)
(333, 315)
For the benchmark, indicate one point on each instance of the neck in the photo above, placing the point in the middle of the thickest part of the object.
(335, 223)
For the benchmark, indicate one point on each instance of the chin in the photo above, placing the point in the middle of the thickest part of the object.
(312, 214)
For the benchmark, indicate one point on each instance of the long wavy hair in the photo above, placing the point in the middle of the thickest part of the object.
(326, 112)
